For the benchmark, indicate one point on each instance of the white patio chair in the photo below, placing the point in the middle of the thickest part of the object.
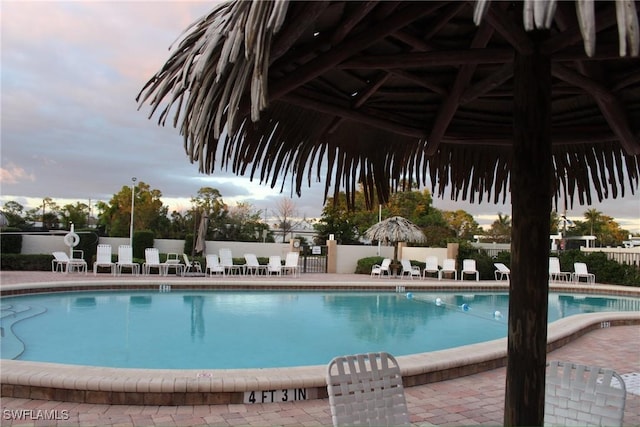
(275, 265)
(431, 266)
(469, 267)
(152, 260)
(448, 267)
(191, 266)
(366, 389)
(61, 262)
(252, 265)
(502, 271)
(554, 271)
(583, 395)
(409, 270)
(291, 264)
(125, 260)
(103, 259)
(580, 271)
(381, 269)
(213, 265)
(226, 261)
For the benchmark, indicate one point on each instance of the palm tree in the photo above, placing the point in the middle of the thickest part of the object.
(594, 218)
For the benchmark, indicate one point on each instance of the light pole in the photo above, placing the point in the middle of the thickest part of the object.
(133, 188)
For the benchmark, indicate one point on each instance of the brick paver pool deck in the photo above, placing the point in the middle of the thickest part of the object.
(476, 399)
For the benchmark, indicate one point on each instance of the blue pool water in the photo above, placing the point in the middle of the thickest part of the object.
(244, 329)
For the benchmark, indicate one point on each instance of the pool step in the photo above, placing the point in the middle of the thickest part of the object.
(10, 314)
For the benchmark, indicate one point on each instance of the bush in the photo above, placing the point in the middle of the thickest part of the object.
(11, 243)
(364, 265)
(88, 244)
(141, 240)
(484, 263)
(188, 244)
(606, 270)
(37, 262)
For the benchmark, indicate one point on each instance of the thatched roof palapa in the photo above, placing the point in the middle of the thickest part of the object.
(395, 229)
(537, 98)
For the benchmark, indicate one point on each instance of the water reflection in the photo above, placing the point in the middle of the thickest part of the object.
(84, 302)
(197, 314)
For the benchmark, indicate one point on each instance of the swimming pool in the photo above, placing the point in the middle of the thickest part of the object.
(257, 329)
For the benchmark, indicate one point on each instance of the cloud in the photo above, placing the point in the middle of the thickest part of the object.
(12, 174)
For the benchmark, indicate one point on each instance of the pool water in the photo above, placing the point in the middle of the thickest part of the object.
(245, 329)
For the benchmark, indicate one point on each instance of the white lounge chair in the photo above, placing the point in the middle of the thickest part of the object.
(382, 269)
(275, 265)
(291, 264)
(469, 267)
(502, 271)
(213, 265)
(226, 260)
(61, 262)
(409, 270)
(448, 267)
(191, 266)
(252, 265)
(125, 260)
(103, 259)
(580, 271)
(366, 389)
(583, 395)
(152, 260)
(554, 271)
(431, 266)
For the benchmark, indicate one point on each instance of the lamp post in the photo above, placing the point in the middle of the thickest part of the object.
(133, 188)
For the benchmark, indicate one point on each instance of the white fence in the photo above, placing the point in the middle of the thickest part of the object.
(630, 256)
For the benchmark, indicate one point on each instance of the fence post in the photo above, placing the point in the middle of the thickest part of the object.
(332, 256)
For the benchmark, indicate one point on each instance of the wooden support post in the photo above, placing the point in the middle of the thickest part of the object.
(531, 210)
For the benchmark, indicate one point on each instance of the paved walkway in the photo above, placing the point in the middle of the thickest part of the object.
(472, 400)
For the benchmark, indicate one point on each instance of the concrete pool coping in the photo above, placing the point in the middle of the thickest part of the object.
(101, 385)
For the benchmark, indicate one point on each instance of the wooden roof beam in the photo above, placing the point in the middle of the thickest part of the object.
(452, 58)
(489, 83)
(364, 117)
(289, 34)
(609, 105)
(358, 43)
(450, 105)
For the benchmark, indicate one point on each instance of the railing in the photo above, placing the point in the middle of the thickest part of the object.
(629, 256)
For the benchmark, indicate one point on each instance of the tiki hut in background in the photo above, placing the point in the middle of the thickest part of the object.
(536, 98)
(394, 230)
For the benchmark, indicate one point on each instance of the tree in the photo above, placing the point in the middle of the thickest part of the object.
(77, 214)
(149, 212)
(342, 222)
(462, 223)
(14, 212)
(350, 225)
(500, 230)
(286, 214)
(606, 230)
(209, 202)
(244, 223)
(594, 219)
(46, 214)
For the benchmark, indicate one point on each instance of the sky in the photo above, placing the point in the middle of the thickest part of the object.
(72, 130)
